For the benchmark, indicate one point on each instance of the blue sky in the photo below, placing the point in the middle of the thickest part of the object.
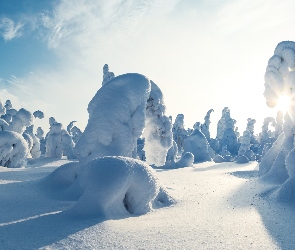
(202, 54)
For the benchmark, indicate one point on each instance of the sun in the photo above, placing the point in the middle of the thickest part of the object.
(284, 103)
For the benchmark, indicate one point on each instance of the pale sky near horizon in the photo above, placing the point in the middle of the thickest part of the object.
(202, 54)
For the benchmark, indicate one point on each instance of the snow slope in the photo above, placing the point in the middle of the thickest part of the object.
(219, 206)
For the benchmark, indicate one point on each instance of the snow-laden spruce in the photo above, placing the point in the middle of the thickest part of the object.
(58, 141)
(118, 113)
(107, 75)
(226, 132)
(179, 132)
(13, 149)
(206, 124)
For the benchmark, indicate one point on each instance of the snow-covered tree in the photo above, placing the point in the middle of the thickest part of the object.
(38, 114)
(107, 75)
(2, 109)
(13, 150)
(53, 141)
(279, 81)
(34, 149)
(206, 124)
(40, 136)
(226, 132)
(158, 128)
(179, 132)
(117, 120)
(22, 119)
(76, 134)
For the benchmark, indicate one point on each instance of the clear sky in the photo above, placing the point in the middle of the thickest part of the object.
(203, 54)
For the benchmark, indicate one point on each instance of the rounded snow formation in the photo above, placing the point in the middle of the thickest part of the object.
(119, 186)
(116, 118)
(186, 160)
(197, 144)
(242, 159)
(13, 150)
(218, 158)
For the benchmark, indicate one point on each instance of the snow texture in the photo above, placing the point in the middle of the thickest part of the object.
(117, 187)
(13, 150)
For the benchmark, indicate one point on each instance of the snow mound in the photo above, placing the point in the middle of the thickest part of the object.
(120, 186)
(13, 149)
(60, 181)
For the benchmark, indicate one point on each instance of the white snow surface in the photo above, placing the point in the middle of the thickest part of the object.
(219, 206)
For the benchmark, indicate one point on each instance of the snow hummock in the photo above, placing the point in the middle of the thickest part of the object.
(119, 186)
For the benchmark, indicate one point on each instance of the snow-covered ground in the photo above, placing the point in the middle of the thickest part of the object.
(219, 206)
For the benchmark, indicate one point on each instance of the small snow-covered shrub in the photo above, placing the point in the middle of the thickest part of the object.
(118, 186)
(13, 149)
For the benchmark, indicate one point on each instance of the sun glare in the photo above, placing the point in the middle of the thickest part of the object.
(284, 103)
